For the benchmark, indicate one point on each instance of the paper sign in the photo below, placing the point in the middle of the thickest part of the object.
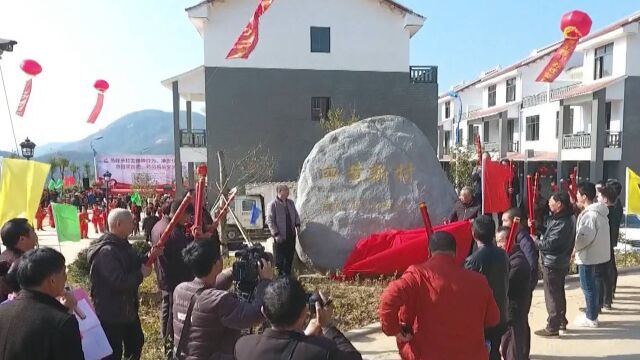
(94, 341)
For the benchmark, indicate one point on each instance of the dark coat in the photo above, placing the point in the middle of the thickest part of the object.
(556, 245)
(519, 280)
(272, 344)
(530, 251)
(216, 320)
(8, 279)
(616, 216)
(36, 326)
(463, 212)
(170, 267)
(115, 277)
(493, 263)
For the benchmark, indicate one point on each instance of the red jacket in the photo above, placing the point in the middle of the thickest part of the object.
(449, 308)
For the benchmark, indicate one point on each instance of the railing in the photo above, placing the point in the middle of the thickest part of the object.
(576, 141)
(542, 97)
(193, 138)
(513, 146)
(423, 74)
(491, 147)
(614, 139)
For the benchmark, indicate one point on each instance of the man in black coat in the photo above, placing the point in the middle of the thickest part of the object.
(466, 208)
(285, 306)
(608, 272)
(18, 236)
(515, 339)
(35, 325)
(493, 263)
(170, 268)
(531, 253)
(556, 246)
(116, 272)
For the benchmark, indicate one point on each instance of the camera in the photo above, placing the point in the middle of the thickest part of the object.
(7, 45)
(245, 269)
(314, 298)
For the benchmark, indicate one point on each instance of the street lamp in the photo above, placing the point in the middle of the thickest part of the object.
(27, 147)
(107, 178)
(456, 96)
(95, 164)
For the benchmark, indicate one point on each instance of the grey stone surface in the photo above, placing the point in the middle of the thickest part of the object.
(366, 178)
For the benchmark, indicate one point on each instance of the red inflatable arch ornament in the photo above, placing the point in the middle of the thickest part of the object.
(102, 86)
(31, 68)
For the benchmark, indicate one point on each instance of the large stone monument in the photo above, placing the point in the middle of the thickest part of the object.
(366, 178)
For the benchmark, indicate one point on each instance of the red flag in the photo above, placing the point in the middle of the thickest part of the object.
(97, 108)
(24, 99)
(248, 39)
(68, 181)
(495, 183)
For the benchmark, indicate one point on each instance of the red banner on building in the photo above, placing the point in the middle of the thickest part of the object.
(495, 186)
(558, 61)
(248, 39)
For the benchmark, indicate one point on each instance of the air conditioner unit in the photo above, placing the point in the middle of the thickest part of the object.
(529, 154)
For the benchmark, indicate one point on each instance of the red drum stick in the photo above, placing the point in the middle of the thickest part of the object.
(172, 224)
(512, 234)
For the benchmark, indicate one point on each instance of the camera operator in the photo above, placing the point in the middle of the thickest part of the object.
(285, 306)
(213, 327)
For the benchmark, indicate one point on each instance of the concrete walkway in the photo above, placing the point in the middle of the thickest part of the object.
(618, 337)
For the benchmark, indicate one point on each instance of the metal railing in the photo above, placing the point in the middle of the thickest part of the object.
(491, 146)
(423, 74)
(193, 138)
(576, 141)
(543, 97)
(614, 139)
(513, 146)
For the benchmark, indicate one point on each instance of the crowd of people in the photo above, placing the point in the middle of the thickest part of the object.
(424, 309)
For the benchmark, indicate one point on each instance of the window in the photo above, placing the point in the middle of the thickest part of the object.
(447, 139)
(247, 205)
(570, 125)
(492, 95)
(320, 39)
(474, 130)
(533, 128)
(485, 131)
(447, 109)
(607, 115)
(511, 90)
(511, 129)
(320, 107)
(603, 62)
(557, 123)
(459, 139)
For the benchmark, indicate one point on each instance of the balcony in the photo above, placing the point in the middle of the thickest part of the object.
(423, 74)
(576, 141)
(193, 138)
(543, 97)
(513, 146)
(491, 147)
(614, 139)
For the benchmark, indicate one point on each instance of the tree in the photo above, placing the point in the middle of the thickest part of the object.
(335, 119)
(87, 169)
(255, 166)
(75, 170)
(461, 167)
(144, 185)
(63, 163)
(53, 161)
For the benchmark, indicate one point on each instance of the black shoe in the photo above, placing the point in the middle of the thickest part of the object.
(547, 333)
(607, 307)
(582, 309)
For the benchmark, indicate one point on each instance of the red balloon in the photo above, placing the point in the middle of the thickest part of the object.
(31, 67)
(575, 24)
(101, 85)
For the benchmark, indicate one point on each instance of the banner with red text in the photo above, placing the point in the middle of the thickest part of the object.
(131, 169)
(248, 39)
(558, 61)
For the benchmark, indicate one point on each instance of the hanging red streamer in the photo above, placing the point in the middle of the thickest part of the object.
(248, 39)
(24, 99)
(97, 108)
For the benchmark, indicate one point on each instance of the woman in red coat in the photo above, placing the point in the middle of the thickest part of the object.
(96, 219)
(83, 218)
(52, 223)
(40, 215)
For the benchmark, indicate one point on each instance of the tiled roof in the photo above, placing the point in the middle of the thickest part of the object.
(548, 50)
(390, 2)
(477, 114)
(587, 88)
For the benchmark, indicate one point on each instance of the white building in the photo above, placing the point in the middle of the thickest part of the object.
(578, 120)
(311, 56)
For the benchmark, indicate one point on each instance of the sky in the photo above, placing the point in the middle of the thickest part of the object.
(136, 44)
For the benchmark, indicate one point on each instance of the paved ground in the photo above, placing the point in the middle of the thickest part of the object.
(618, 337)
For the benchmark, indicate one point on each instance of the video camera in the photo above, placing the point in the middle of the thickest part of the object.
(245, 269)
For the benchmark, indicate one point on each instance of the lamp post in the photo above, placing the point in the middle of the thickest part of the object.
(456, 96)
(27, 147)
(107, 179)
(95, 164)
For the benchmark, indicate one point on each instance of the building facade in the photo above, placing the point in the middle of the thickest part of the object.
(311, 57)
(576, 121)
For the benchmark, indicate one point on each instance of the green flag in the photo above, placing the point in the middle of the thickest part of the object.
(52, 185)
(59, 184)
(135, 198)
(67, 223)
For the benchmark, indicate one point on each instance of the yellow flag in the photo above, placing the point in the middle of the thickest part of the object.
(633, 192)
(21, 190)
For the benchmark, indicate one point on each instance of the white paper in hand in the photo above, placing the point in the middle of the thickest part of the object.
(94, 341)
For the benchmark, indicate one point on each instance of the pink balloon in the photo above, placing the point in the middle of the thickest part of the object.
(101, 85)
(31, 67)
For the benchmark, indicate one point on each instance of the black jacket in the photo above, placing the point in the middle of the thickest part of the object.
(36, 326)
(8, 272)
(519, 280)
(531, 253)
(556, 245)
(616, 216)
(493, 263)
(462, 212)
(273, 344)
(170, 268)
(115, 277)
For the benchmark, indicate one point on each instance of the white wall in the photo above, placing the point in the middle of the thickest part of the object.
(548, 140)
(366, 35)
(619, 59)
(633, 55)
(617, 109)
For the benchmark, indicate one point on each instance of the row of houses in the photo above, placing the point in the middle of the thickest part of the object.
(588, 118)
